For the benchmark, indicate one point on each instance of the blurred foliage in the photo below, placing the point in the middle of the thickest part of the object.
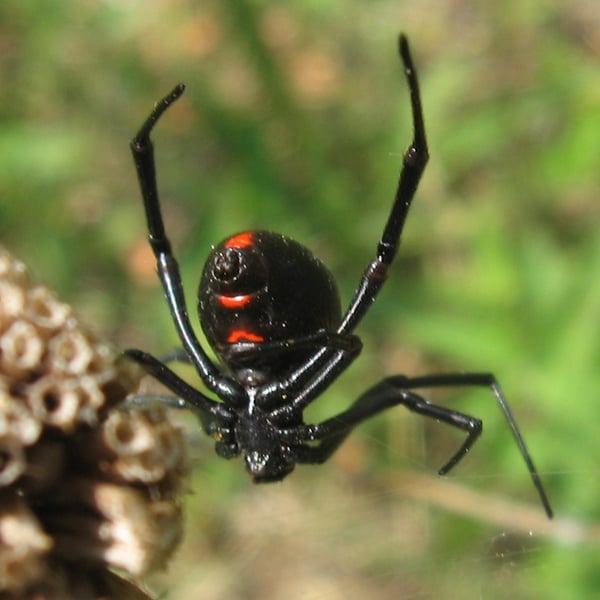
(295, 119)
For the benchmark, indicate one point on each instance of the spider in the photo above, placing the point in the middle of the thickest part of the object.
(271, 312)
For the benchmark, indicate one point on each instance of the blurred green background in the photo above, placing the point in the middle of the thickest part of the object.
(295, 119)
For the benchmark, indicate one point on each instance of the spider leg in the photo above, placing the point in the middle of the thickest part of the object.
(415, 160)
(480, 380)
(327, 364)
(394, 391)
(321, 338)
(168, 269)
(313, 376)
(382, 396)
(186, 395)
(305, 384)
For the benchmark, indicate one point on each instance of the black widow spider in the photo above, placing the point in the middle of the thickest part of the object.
(272, 313)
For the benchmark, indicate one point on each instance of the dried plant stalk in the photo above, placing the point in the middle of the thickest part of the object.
(85, 484)
(120, 525)
(24, 545)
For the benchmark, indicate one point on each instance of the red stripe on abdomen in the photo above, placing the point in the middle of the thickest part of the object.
(233, 301)
(242, 335)
(241, 240)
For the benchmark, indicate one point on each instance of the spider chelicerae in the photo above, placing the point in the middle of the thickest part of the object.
(271, 312)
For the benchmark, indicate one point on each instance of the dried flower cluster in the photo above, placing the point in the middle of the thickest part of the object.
(85, 484)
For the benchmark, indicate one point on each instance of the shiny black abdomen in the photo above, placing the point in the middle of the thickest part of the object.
(259, 287)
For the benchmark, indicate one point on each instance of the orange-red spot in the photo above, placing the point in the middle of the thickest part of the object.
(241, 335)
(241, 240)
(233, 301)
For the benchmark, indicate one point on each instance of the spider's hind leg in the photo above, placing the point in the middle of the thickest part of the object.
(375, 400)
(396, 390)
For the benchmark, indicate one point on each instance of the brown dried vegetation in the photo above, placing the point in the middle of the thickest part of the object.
(86, 484)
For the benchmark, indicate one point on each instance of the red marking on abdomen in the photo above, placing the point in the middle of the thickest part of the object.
(241, 240)
(239, 335)
(233, 301)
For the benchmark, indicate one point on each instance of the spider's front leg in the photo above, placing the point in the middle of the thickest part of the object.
(186, 396)
(327, 364)
(414, 163)
(167, 267)
(217, 421)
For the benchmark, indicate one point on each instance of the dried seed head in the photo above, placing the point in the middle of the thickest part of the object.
(85, 484)
(12, 269)
(12, 460)
(17, 421)
(45, 311)
(21, 348)
(12, 300)
(70, 352)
